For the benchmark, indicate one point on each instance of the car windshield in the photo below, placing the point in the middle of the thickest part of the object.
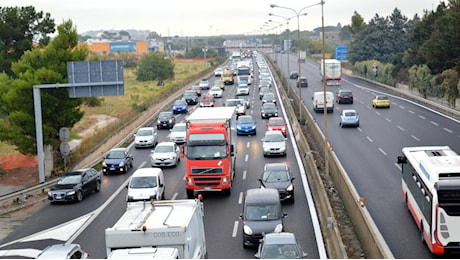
(382, 98)
(144, 132)
(180, 103)
(274, 138)
(164, 116)
(143, 182)
(115, 155)
(245, 120)
(275, 176)
(179, 128)
(164, 149)
(276, 122)
(274, 251)
(262, 212)
(268, 106)
(233, 103)
(207, 99)
(206, 152)
(269, 96)
(350, 114)
(69, 179)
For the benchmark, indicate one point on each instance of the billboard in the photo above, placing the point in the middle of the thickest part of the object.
(122, 47)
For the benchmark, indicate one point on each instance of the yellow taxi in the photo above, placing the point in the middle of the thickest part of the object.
(220, 84)
(380, 101)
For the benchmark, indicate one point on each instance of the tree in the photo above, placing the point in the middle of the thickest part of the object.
(154, 66)
(357, 24)
(42, 66)
(19, 27)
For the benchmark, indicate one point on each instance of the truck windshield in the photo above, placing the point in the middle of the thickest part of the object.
(206, 152)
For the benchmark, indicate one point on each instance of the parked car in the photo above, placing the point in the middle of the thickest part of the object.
(177, 134)
(269, 97)
(381, 101)
(278, 176)
(268, 110)
(204, 84)
(63, 251)
(145, 137)
(261, 215)
(277, 123)
(197, 89)
(180, 106)
(74, 185)
(349, 117)
(302, 82)
(165, 154)
(216, 92)
(246, 125)
(146, 184)
(344, 96)
(207, 101)
(293, 75)
(117, 160)
(191, 97)
(274, 143)
(166, 120)
(282, 245)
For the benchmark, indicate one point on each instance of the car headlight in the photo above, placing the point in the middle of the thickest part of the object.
(158, 122)
(238, 127)
(247, 230)
(121, 164)
(70, 193)
(170, 121)
(50, 194)
(290, 188)
(253, 127)
(172, 157)
(278, 228)
(104, 164)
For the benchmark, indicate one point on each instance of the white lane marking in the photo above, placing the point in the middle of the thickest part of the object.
(389, 120)
(244, 174)
(422, 117)
(434, 123)
(448, 130)
(235, 229)
(382, 151)
(415, 137)
(174, 196)
(248, 144)
(412, 112)
(246, 158)
(400, 128)
(370, 140)
(240, 198)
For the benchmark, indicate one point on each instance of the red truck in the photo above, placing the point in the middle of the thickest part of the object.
(209, 150)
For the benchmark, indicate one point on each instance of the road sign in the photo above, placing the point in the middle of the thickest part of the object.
(64, 134)
(341, 52)
(64, 148)
(95, 78)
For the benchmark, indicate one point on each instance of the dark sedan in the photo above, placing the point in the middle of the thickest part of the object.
(117, 160)
(278, 176)
(268, 110)
(166, 120)
(73, 185)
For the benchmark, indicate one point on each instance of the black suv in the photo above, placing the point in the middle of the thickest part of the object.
(344, 96)
(166, 120)
(302, 82)
(191, 97)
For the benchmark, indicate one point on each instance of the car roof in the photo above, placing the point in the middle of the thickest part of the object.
(280, 238)
(275, 166)
(271, 104)
(348, 110)
(58, 251)
(274, 132)
(262, 196)
(118, 149)
(166, 113)
(276, 118)
(150, 171)
(166, 143)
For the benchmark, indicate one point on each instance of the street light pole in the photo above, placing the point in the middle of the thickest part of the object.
(289, 45)
(326, 146)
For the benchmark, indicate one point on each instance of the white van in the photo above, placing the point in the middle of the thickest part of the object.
(146, 184)
(318, 101)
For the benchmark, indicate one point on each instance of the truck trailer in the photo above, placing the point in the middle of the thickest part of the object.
(159, 229)
(333, 72)
(209, 150)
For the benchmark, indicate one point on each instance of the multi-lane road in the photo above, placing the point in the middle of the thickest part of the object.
(368, 153)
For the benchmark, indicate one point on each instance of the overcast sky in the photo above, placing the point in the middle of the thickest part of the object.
(206, 17)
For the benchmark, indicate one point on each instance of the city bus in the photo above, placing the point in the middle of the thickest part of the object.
(431, 190)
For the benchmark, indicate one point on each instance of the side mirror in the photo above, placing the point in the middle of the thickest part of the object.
(241, 216)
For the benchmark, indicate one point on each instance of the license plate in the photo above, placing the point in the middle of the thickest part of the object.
(58, 197)
(207, 188)
(112, 169)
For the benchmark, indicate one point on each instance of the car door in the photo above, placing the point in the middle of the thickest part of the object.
(128, 159)
(86, 183)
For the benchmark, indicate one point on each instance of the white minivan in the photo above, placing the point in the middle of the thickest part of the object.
(146, 184)
(318, 101)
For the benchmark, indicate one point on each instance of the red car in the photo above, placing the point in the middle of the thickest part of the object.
(277, 123)
(207, 101)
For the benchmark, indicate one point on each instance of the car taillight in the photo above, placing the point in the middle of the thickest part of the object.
(351, 96)
(340, 96)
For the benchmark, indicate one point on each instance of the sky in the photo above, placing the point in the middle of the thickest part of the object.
(213, 18)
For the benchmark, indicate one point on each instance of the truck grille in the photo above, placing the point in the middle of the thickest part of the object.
(207, 181)
(207, 171)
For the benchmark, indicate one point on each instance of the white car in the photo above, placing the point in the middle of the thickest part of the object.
(146, 184)
(63, 251)
(165, 154)
(178, 133)
(242, 89)
(145, 137)
(204, 84)
(218, 72)
(216, 92)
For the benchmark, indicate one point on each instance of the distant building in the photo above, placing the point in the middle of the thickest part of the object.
(138, 47)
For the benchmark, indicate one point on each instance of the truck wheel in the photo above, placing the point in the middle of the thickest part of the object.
(190, 194)
(227, 192)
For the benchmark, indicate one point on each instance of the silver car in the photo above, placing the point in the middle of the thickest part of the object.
(165, 154)
(63, 251)
(274, 143)
(280, 245)
(178, 133)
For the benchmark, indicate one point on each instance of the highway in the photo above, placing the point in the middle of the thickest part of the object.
(84, 223)
(368, 153)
